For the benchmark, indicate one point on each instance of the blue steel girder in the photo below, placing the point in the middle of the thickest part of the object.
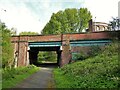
(89, 42)
(72, 43)
(44, 44)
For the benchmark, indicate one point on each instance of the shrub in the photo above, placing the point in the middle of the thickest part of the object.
(94, 51)
(101, 71)
(79, 56)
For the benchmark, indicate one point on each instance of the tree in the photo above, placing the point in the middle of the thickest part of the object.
(68, 21)
(47, 56)
(13, 31)
(7, 49)
(84, 17)
(115, 24)
(28, 33)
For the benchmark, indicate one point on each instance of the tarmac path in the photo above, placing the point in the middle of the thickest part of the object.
(41, 79)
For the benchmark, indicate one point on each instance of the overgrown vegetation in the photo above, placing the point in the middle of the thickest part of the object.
(101, 71)
(28, 33)
(11, 77)
(82, 55)
(7, 49)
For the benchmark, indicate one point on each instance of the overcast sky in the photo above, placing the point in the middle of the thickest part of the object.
(32, 15)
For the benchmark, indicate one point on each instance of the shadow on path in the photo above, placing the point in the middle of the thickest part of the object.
(48, 65)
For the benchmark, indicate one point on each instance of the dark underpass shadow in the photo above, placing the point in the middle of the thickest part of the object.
(48, 65)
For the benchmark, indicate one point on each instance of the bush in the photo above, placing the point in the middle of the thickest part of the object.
(79, 56)
(101, 71)
(93, 51)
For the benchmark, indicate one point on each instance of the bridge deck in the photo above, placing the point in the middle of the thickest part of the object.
(72, 43)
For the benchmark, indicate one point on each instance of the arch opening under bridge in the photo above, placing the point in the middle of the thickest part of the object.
(38, 47)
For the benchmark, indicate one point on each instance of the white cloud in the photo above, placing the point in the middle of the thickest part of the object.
(19, 17)
(103, 10)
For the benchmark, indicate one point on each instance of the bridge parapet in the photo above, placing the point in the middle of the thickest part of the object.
(62, 37)
(94, 35)
(37, 38)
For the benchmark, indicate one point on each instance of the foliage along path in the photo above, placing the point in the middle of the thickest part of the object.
(42, 79)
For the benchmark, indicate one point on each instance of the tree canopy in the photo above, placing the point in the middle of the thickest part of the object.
(115, 24)
(68, 21)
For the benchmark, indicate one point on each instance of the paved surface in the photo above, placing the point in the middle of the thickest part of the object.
(42, 79)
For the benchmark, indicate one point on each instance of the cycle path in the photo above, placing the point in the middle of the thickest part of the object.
(41, 79)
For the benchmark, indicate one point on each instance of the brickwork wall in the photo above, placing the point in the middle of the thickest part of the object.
(79, 49)
(21, 54)
(78, 36)
(65, 55)
(37, 38)
(45, 38)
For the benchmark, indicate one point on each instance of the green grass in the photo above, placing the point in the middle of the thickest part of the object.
(101, 71)
(11, 77)
(0, 78)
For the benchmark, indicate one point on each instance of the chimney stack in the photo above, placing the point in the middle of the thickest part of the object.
(90, 26)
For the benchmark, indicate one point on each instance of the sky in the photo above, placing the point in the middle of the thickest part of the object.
(32, 15)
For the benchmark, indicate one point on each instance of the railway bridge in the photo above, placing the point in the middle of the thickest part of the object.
(27, 47)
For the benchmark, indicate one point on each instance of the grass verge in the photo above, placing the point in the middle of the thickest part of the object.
(11, 77)
(101, 71)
